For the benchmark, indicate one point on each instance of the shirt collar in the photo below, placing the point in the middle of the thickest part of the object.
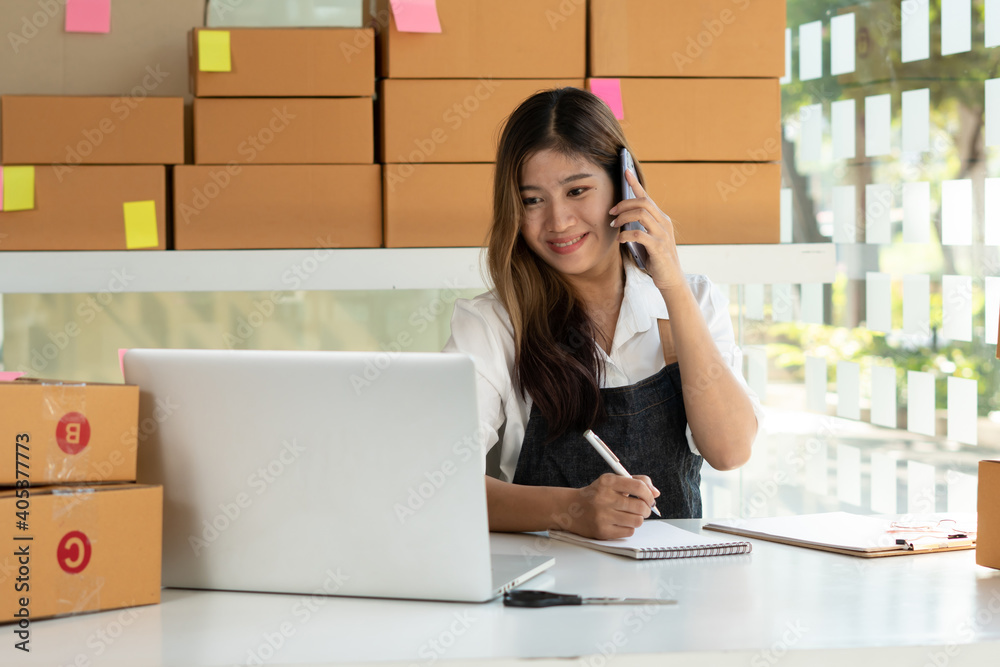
(641, 304)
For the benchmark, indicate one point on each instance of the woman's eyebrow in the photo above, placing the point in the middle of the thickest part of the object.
(570, 179)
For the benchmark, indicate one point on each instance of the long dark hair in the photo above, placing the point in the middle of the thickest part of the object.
(556, 359)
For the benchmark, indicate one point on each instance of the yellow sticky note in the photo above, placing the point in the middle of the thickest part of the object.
(140, 225)
(214, 51)
(18, 188)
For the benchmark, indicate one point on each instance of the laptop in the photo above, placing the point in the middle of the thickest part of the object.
(335, 473)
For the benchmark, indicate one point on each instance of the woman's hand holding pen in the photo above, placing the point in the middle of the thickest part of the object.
(612, 506)
(664, 265)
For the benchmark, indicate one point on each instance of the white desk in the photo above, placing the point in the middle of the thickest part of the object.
(777, 599)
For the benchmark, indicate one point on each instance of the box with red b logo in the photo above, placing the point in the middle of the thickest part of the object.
(74, 549)
(55, 432)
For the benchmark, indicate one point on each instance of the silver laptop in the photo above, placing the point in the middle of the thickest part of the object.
(342, 473)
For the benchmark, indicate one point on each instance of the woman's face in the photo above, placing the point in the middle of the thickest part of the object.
(566, 221)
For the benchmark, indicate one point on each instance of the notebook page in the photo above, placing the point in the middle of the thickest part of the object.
(653, 535)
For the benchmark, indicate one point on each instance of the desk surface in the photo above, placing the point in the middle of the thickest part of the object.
(778, 598)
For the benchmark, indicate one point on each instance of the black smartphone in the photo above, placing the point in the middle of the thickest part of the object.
(637, 250)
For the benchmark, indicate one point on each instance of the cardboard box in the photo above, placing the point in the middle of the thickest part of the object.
(718, 202)
(92, 130)
(684, 38)
(82, 208)
(500, 39)
(284, 131)
(437, 205)
(293, 206)
(988, 535)
(291, 63)
(703, 120)
(91, 548)
(450, 120)
(285, 14)
(59, 432)
(144, 54)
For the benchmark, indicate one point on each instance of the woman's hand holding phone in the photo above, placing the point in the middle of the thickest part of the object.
(663, 264)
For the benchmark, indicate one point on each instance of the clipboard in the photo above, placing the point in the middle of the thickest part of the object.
(860, 535)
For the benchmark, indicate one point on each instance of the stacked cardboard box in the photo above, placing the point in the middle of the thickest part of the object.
(83, 535)
(283, 141)
(443, 102)
(87, 173)
(698, 85)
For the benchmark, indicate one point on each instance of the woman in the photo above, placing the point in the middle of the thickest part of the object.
(575, 335)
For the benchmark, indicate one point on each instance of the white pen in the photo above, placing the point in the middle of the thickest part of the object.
(610, 457)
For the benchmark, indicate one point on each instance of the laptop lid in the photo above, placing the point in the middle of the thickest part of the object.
(345, 473)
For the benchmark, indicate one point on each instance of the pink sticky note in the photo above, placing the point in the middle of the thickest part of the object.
(10, 376)
(121, 359)
(610, 90)
(88, 16)
(416, 15)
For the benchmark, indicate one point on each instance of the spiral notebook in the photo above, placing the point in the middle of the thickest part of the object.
(657, 539)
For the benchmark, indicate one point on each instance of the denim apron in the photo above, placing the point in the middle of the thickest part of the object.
(645, 428)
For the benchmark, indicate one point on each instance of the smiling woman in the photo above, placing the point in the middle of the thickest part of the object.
(575, 336)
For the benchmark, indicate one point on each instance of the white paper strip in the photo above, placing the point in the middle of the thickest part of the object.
(963, 491)
(849, 474)
(848, 390)
(878, 125)
(786, 216)
(917, 304)
(884, 479)
(810, 51)
(921, 495)
(956, 305)
(992, 112)
(812, 303)
(757, 369)
(753, 299)
(878, 206)
(816, 378)
(992, 309)
(884, 396)
(788, 58)
(956, 212)
(963, 402)
(991, 211)
(842, 44)
(917, 212)
(956, 26)
(878, 301)
(917, 120)
(916, 28)
(992, 23)
(782, 303)
(843, 123)
(811, 137)
(845, 225)
(920, 402)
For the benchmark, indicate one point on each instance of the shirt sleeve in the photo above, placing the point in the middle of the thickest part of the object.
(473, 333)
(715, 307)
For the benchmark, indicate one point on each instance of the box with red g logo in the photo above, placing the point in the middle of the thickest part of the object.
(74, 549)
(55, 432)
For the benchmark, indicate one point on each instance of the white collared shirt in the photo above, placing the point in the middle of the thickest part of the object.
(481, 328)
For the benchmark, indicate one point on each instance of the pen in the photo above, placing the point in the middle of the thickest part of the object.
(610, 457)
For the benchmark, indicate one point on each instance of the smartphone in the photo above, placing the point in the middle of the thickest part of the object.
(638, 251)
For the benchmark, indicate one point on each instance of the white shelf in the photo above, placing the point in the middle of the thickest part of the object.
(354, 269)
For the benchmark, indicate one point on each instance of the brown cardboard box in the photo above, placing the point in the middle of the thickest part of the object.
(90, 548)
(450, 120)
(437, 205)
(92, 130)
(988, 535)
(704, 120)
(144, 54)
(284, 131)
(54, 432)
(330, 62)
(81, 208)
(501, 39)
(285, 206)
(718, 202)
(684, 38)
